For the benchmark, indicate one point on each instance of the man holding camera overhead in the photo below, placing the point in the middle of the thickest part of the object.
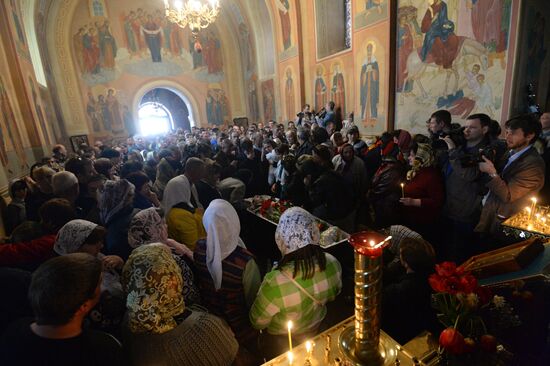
(512, 184)
(464, 185)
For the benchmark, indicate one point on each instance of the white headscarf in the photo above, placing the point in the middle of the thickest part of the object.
(222, 236)
(297, 228)
(177, 190)
(72, 235)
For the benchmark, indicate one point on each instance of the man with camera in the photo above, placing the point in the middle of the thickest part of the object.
(464, 186)
(512, 184)
(327, 116)
(305, 116)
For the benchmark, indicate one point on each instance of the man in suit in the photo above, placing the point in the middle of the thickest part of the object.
(519, 179)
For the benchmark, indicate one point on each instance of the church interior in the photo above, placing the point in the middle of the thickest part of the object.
(279, 182)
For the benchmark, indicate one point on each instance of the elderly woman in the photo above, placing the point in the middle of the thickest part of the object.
(227, 273)
(115, 212)
(423, 191)
(160, 330)
(183, 219)
(81, 236)
(305, 279)
(148, 227)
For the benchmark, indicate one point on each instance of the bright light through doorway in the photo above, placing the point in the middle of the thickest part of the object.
(154, 119)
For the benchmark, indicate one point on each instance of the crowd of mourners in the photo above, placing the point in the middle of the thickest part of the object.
(132, 253)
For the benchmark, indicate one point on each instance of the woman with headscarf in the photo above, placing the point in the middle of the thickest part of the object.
(403, 139)
(81, 236)
(116, 209)
(183, 219)
(227, 273)
(305, 279)
(160, 329)
(148, 227)
(423, 191)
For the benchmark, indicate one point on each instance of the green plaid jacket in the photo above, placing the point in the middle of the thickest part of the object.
(279, 300)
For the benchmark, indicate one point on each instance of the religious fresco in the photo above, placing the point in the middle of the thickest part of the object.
(533, 66)
(106, 114)
(217, 106)
(141, 41)
(320, 89)
(39, 113)
(289, 95)
(268, 98)
(254, 109)
(286, 13)
(451, 55)
(18, 29)
(369, 85)
(10, 138)
(338, 88)
(369, 12)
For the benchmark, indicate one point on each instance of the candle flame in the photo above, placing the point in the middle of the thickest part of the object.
(308, 346)
(534, 200)
(402, 185)
(528, 209)
(290, 356)
(289, 325)
(372, 244)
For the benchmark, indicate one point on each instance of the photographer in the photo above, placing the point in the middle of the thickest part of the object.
(328, 116)
(304, 116)
(512, 184)
(464, 189)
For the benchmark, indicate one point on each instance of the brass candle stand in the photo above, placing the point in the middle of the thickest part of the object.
(361, 343)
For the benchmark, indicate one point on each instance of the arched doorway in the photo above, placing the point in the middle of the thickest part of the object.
(161, 110)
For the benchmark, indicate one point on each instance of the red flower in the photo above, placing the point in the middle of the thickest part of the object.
(452, 340)
(447, 269)
(467, 283)
(438, 283)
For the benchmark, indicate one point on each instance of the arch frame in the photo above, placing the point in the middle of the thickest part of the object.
(178, 89)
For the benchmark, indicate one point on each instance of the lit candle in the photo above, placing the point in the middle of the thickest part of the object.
(289, 327)
(309, 349)
(290, 356)
(402, 190)
(533, 206)
(528, 209)
(365, 243)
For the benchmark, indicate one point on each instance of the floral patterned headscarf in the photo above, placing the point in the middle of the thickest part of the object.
(153, 282)
(146, 227)
(424, 158)
(297, 228)
(114, 197)
(72, 235)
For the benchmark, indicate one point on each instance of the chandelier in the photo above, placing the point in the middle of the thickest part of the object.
(197, 14)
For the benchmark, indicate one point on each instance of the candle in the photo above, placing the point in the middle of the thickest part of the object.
(309, 350)
(533, 206)
(402, 190)
(369, 243)
(290, 356)
(289, 327)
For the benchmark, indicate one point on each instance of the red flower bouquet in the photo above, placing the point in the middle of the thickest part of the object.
(273, 209)
(461, 305)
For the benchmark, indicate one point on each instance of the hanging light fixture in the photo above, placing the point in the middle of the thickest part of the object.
(197, 14)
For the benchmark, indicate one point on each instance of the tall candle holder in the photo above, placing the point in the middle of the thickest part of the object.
(361, 343)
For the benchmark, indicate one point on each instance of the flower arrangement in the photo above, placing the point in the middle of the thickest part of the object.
(273, 209)
(465, 309)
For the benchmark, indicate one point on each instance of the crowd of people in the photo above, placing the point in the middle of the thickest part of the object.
(133, 253)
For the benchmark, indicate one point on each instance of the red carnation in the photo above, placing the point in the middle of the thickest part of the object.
(467, 283)
(446, 269)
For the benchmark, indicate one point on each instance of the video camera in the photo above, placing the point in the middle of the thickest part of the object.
(473, 159)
